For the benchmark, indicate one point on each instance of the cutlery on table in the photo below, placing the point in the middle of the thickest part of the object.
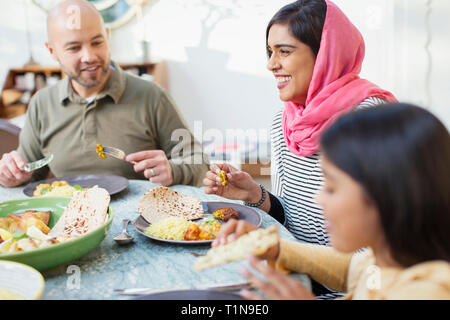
(38, 164)
(124, 237)
(196, 254)
(221, 288)
(115, 153)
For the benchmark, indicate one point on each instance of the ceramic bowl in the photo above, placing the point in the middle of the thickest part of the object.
(56, 254)
(19, 281)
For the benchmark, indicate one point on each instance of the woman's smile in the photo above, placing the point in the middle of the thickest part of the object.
(282, 81)
(291, 62)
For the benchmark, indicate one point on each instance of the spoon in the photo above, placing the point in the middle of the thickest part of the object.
(124, 237)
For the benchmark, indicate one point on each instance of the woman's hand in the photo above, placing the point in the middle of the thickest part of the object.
(277, 285)
(240, 185)
(234, 229)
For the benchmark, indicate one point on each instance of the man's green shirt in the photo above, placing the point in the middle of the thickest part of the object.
(130, 113)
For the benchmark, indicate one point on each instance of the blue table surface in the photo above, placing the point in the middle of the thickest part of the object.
(144, 264)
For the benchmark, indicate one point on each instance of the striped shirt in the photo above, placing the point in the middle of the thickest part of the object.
(296, 180)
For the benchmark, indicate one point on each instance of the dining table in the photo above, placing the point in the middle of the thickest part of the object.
(144, 263)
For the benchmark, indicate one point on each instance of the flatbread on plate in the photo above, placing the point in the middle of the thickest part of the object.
(86, 211)
(256, 242)
(161, 202)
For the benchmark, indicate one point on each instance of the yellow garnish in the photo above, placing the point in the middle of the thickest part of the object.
(223, 178)
(99, 150)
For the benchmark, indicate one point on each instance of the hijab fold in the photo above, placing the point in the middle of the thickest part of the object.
(335, 87)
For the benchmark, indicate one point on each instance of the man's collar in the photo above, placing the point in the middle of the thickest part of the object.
(113, 88)
(64, 88)
(116, 84)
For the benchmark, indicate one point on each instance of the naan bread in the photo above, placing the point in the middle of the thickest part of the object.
(255, 242)
(161, 202)
(86, 211)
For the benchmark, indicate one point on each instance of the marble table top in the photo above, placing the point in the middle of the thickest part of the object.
(145, 263)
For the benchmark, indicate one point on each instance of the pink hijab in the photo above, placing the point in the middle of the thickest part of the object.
(335, 86)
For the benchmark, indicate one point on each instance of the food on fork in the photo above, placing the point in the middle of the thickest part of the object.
(100, 152)
(226, 214)
(223, 178)
(256, 242)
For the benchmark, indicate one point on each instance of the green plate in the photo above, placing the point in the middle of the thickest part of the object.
(60, 253)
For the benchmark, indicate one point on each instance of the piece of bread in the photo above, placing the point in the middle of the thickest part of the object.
(161, 202)
(256, 242)
(86, 211)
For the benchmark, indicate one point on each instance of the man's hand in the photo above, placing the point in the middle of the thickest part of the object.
(155, 165)
(10, 173)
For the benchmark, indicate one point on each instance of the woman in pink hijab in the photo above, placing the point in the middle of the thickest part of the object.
(315, 54)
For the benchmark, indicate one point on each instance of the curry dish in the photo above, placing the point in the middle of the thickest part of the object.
(226, 214)
(208, 230)
(43, 188)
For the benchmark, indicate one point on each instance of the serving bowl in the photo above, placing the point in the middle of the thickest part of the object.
(19, 281)
(60, 253)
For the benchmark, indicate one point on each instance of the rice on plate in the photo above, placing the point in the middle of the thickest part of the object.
(172, 228)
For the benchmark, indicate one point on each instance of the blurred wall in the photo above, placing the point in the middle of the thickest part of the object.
(215, 51)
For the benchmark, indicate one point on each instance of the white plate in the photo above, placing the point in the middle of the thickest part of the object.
(21, 279)
(245, 213)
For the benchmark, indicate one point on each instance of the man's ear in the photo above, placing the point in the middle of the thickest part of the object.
(108, 32)
(51, 50)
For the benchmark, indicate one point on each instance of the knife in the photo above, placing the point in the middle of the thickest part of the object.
(38, 164)
(221, 288)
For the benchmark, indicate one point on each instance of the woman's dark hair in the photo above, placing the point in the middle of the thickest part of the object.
(305, 19)
(400, 154)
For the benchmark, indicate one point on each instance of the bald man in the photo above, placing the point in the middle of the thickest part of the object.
(97, 102)
(78, 40)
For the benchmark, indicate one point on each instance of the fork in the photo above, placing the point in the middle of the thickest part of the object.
(115, 153)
